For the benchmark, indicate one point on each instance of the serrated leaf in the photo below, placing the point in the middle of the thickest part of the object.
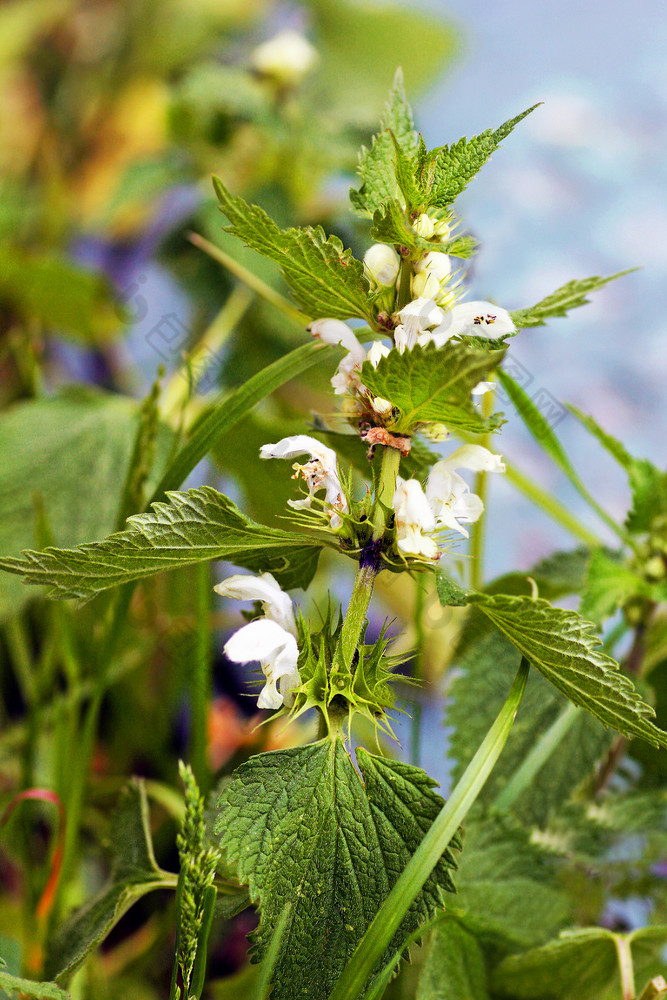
(568, 296)
(434, 384)
(484, 671)
(609, 584)
(14, 986)
(461, 246)
(134, 873)
(582, 964)
(563, 647)
(377, 164)
(405, 167)
(454, 967)
(555, 576)
(391, 224)
(455, 166)
(324, 277)
(200, 525)
(299, 825)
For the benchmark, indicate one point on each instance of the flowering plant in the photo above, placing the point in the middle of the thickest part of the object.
(349, 865)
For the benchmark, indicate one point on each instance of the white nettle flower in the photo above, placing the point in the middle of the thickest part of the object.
(347, 378)
(287, 57)
(276, 604)
(424, 226)
(416, 320)
(473, 319)
(414, 520)
(319, 473)
(276, 650)
(431, 275)
(381, 264)
(448, 493)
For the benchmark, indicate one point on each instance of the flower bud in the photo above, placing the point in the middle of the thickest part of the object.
(423, 226)
(381, 263)
(286, 58)
(441, 229)
(430, 274)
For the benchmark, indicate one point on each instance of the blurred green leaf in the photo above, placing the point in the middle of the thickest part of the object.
(454, 967)
(569, 296)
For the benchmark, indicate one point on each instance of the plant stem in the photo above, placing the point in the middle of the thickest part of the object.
(549, 505)
(480, 488)
(201, 682)
(405, 274)
(626, 969)
(390, 915)
(536, 758)
(391, 459)
(415, 735)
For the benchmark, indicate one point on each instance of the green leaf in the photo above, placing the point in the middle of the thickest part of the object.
(50, 448)
(200, 525)
(609, 584)
(563, 647)
(455, 166)
(454, 966)
(324, 278)
(391, 224)
(405, 167)
(555, 576)
(569, 296)
(61, 295)
(299, 825)
(13, 986)
(434, 384)
(484, 671)
(377, 164)
(582, 963)
(233, 407)
(134, 873)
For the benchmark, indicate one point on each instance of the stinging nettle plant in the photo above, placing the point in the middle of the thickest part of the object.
(351, 860)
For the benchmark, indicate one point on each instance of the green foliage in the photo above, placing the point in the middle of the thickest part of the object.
(193, 527)
(568, 296)
(454, 967)
(50, 447)
(14, 986)
(582, 963)
(324, 278)
(451, 168)
(391, 224)
(134, 873)
(487, 668)
(429, 384)
(377, 164)
(609, 584)
(300, 826)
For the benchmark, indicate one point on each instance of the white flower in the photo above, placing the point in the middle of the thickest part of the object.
(442, 230)
(482, 387)
(414, 520)
(334, 331)
(416, 320)
(277, 652)
(431, 275)
(478, 319)
(276, 604)
(424, 227)
(448, 493)
(286, 57)
(381, 263)
(319, 473)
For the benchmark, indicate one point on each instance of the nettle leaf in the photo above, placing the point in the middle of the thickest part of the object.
(609, 584)
(568, 296)
(647, 483)
(434, 384)
(484, 673)
(134, 873)
(454, 966)
(15, 985)
(377, 164)
(200, 525)
(581, 963)
(324, 277)
(301, 827)
(455, 166)
(391, 224)
(563, 647)
(461, 246)
(405, 167)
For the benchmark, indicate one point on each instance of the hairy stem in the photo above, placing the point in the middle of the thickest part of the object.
(480, 488)
(415, 735)
(626, 969)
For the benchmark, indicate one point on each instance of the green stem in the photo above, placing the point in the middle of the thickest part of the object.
(625, 966)
(391, 460)
(201, 684)
(405, 275)
(392, 912)
(415, 734)
(536, 759)
(481, 490)
(549, 505)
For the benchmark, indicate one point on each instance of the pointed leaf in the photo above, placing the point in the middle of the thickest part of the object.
(391, 224)
(569, 296)
(324, 278)
(455, 166)
(299, 825)
(200, 525)
(609, 584)
(434, 384)
(14, 986)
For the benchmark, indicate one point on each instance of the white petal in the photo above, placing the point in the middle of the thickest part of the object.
(478, 319)
(411, 506)
(437, 264)
(482, 387)
(376, 351)
(300, 444)
(468, 507)
(276, 604)
(414, 543)
(334, 331)
(287, 56)
(424, 310)
(259, 640)
(473, 457)
(382, 263)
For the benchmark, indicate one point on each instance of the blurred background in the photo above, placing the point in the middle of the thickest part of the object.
(113, 116)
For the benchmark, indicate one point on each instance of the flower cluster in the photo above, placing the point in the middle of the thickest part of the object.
(270, 640)
(320, 472)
